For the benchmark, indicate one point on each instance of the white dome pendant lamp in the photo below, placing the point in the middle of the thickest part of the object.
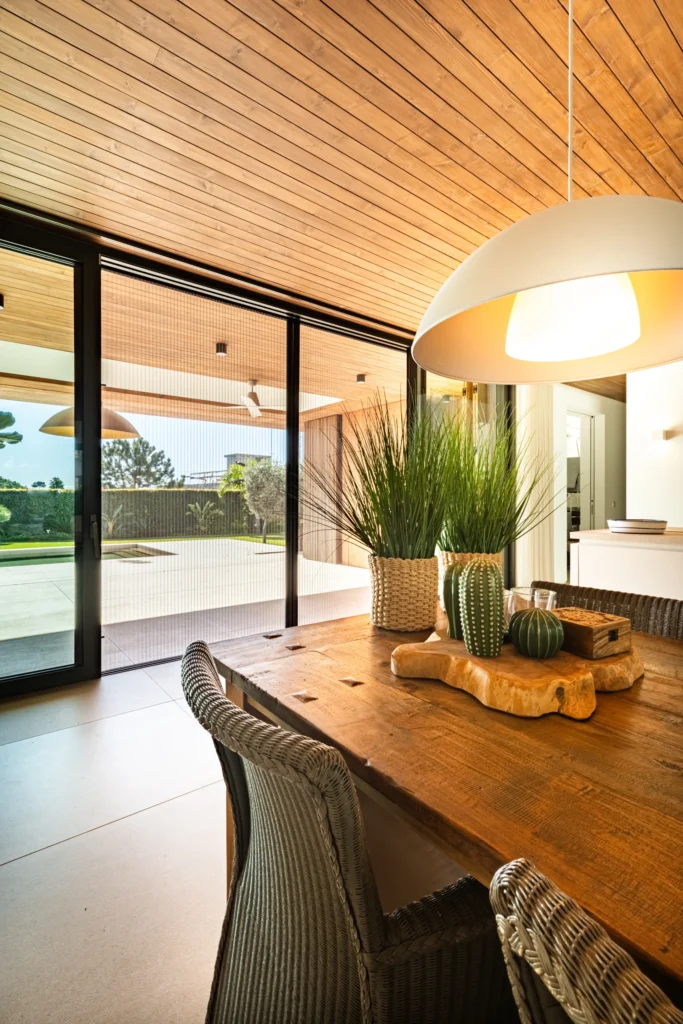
(585, 289)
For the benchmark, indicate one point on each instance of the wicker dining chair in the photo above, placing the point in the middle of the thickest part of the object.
(661, 616)
(563, 966)
(304, 939)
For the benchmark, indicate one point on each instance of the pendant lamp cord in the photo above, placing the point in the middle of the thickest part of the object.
(570, 99)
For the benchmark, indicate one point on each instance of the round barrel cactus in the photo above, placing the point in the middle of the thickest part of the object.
(536, 633)
(481, 607)
(451, 599)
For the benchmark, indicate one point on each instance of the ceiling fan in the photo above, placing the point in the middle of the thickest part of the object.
(253, 403)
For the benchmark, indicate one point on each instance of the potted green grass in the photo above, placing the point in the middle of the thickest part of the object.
(497, 494)
(385, 488)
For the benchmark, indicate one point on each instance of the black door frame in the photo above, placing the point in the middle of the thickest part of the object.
(34, 239)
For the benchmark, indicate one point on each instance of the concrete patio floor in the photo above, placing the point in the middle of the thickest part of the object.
(170, 593)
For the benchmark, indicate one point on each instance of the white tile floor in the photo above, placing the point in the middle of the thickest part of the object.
(112, 855)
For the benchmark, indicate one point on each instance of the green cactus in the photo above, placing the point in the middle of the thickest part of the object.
(451, 599)
(481, 608)
(536, 633)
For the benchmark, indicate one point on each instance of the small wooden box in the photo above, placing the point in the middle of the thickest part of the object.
(594, 634)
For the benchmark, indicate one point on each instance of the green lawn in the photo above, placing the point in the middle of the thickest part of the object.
(7, 546)
(35, 544)
(271, 539)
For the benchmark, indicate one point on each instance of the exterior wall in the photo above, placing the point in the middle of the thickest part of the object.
(655, 466)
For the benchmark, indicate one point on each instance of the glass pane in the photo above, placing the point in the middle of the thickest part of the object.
(37, 465)
(477, 401)
(333, 572)
(201, 387)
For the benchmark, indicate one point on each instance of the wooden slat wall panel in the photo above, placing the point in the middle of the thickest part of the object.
(354, 151)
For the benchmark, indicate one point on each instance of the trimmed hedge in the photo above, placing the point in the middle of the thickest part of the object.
(162, 512)
(129, 514)
(38, 513)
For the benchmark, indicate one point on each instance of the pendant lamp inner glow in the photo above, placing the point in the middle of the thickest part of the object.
(576, 319)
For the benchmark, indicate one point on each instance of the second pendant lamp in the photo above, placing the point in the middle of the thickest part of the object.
(589, 288)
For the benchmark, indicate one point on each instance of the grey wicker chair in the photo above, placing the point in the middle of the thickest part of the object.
(661, 616)
(562, 965)
(305, 940)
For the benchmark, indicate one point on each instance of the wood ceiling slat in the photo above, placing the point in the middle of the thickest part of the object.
(75, 182)
(599, 95)
(335, 74)
(608, 387)
(236, 107)
(435, 38)
(27, 194)
(61, 83)
(531, 92)
(246, 70)
(672, 12)
(185, 172)
(54, 94)
(611, 40)
(160, 191)
(487, 158)
(446, 96)
(655, 40)
(138, 219)
(544, 51)
(354, 151)
(327, 73)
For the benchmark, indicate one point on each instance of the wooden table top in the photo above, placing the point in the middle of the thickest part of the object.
(596, 805)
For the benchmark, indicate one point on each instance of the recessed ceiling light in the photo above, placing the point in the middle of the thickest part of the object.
(360, 378)
(221, 348)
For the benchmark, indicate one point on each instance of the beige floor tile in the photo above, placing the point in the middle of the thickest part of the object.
(120, 925)
(167, 677)
(67, 706)
(58, 785)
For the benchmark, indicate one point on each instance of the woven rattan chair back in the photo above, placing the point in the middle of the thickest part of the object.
(302, 890)
(661, 616)
(562, 964)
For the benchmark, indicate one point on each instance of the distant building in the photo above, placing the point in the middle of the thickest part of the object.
(207, 481)
(211, 478)
(242, 460)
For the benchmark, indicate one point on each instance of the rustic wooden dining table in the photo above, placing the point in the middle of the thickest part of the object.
(596, 805)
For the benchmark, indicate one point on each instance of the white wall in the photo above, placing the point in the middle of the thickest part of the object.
(655, 467)
(610, 461)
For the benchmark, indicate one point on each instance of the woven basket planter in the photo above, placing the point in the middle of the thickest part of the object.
(447, 558)
(404, 592)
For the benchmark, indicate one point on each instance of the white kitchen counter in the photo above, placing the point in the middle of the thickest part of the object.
(636, 563)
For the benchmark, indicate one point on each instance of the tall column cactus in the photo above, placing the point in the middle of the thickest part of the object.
(451, 599)
(481, 607)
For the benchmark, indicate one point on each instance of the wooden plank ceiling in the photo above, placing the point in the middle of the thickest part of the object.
(348, 150)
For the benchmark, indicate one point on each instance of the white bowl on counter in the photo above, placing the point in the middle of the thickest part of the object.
(637, 525)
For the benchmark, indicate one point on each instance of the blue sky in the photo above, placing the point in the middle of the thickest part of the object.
(192, 445)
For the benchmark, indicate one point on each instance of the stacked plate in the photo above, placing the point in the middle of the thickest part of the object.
(637, 525)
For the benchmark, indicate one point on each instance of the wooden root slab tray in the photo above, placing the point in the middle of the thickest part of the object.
(529, 687)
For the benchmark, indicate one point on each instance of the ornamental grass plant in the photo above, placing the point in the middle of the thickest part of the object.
(388, 483)
(498, 491)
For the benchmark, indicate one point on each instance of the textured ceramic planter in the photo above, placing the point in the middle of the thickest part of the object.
(404, 592)
(482, 606)
(460, 558)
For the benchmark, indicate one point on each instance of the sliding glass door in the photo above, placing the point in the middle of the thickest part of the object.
(154, 437)
(46, 573)
(194, 408)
